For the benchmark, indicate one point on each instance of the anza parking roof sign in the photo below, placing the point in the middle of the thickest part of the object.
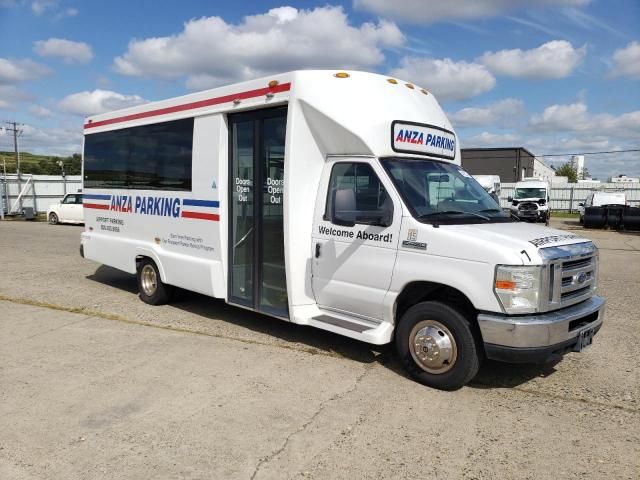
(410, 137)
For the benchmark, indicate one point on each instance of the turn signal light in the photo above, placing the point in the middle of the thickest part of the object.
(505, 285)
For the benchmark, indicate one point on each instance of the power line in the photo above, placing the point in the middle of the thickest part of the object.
(498, 152)
(589, 153)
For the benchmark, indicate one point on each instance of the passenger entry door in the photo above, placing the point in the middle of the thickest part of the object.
(354, 252)
(256, 235)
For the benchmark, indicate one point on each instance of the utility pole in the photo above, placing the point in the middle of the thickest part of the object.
(16, 129)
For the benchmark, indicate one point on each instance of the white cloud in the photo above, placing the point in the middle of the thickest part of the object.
(488, 139)
(40, 6)
(555, 59)
(210, 51)
(429, 11)
(505, 112)
(98, 101)
(10, 95)
(626, 61)
(576, 118)
(69, 51)
(54, 141)
(16, 71)
(40, 111)
(447, 79)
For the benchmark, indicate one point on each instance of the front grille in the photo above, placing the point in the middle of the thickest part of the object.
(573, 264)
(571, 275)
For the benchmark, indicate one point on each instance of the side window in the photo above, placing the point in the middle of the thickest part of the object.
(78, 199)
(356, 195)
(69, 200)
(149, 157)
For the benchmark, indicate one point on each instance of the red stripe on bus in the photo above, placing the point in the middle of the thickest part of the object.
(285, 87)
(202, 216)
(97, 206)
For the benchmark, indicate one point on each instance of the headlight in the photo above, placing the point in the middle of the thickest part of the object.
(518, 288)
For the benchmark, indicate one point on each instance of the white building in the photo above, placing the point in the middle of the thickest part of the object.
(624, 179)
(543, 171)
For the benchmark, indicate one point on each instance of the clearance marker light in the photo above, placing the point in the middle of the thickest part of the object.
(424, 91)
(392, 80)
(341, 75)
(236, 101)
(408, 85)
(273, 83)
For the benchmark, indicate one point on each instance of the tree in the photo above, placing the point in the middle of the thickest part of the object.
(585, 173)
(567, 170)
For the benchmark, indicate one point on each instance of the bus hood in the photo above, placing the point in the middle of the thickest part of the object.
(518, 237)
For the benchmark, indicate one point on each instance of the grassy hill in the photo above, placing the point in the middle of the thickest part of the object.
(41, 164)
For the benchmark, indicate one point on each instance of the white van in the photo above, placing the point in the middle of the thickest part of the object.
(334, 200)
(599, 199)
(530, 201)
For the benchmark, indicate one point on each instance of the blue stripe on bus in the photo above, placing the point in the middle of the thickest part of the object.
(88, 196)
(200, 203)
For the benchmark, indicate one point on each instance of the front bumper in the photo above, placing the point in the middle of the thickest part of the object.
(533, 338)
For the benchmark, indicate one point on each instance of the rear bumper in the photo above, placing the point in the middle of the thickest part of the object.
(534, 338)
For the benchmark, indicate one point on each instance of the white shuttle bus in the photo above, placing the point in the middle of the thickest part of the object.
(335, 200)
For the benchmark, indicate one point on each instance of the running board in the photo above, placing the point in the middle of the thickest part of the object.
(342, 323)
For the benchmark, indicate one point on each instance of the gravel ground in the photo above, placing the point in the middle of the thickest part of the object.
(96, 384)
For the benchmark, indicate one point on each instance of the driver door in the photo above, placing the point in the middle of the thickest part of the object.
(353, 264)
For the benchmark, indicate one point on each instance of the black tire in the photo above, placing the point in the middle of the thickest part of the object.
(468, 356)
(53, 219)
(151, 288)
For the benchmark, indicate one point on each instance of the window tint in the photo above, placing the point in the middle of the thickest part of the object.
(370, 194)
(151, 157)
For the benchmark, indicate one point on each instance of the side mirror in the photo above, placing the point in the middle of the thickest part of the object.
(343, 207)
(542, 201)
(581, 204)
(509, 199)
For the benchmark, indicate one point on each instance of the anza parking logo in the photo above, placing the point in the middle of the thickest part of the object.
(174, 207)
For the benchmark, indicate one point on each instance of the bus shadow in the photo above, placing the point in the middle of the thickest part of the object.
(313, 340)
(494, 374)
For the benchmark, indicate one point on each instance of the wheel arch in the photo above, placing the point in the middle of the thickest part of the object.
(424, 291)
(142, 254)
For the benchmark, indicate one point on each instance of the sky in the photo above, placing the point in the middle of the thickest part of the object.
(553, 76)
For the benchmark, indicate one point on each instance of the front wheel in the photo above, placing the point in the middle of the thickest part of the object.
(437, 347)
(151, 288)
(53, 218)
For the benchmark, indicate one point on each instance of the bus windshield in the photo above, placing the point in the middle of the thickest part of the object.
(441, 192)
(530, 193)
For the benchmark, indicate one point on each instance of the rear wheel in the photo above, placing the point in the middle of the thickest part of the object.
(150, 287)
(53, 218)
(437, 346)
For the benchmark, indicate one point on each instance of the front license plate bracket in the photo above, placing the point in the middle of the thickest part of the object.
(585, 339)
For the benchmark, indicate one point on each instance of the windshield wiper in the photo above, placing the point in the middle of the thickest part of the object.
(453, 212)
(489, 210)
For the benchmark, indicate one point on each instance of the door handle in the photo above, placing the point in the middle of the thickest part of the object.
(317, 250)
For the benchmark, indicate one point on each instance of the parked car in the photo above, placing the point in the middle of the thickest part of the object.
(69, 210)
(601, 199)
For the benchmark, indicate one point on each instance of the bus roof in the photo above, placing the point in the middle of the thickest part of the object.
(348, 112)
